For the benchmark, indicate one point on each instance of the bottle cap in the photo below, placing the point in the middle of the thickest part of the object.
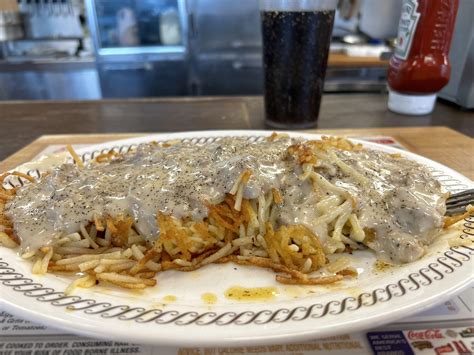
(411, 104)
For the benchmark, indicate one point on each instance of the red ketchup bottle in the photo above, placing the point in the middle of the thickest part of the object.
(420, 65)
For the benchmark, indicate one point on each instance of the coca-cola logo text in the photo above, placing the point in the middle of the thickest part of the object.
(425, 334)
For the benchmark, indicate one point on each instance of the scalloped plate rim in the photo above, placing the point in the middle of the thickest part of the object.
(288, 335)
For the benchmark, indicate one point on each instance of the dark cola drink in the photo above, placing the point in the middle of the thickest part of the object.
(295, 55)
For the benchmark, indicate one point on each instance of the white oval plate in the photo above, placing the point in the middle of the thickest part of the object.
(297, 313)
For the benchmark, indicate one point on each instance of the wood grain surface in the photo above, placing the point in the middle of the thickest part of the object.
(24, 121)
(440, 144)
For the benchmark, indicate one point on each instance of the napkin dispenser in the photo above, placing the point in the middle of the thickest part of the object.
(460, 88)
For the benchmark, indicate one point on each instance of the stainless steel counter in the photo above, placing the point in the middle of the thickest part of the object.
(47, 64)
(49, 79)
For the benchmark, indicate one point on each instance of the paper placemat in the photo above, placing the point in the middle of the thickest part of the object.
(447, 328)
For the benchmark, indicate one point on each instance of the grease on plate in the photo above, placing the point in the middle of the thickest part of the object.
(209, 298)
(298, 291)
(381, 266)
(239, 293)
(169, 298)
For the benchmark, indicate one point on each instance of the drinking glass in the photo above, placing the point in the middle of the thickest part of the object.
(296, 39)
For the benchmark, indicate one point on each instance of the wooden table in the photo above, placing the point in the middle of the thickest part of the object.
(441, 144)
(24, 121)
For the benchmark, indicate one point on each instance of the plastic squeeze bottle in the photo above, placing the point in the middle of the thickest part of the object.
(420, 66)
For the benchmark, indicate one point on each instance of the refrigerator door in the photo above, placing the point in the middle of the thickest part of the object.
(141, 47)
(143, 79)
(230, 75)
(137, 26)
(460, 88)
(225, 25)
(225, 42)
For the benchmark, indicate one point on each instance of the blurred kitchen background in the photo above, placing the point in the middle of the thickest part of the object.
(92, 49)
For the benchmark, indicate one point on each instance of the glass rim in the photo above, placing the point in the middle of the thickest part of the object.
(297, 5)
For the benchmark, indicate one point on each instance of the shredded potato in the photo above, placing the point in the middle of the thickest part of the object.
(110, 249)
(74, 155)
(449, 221)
